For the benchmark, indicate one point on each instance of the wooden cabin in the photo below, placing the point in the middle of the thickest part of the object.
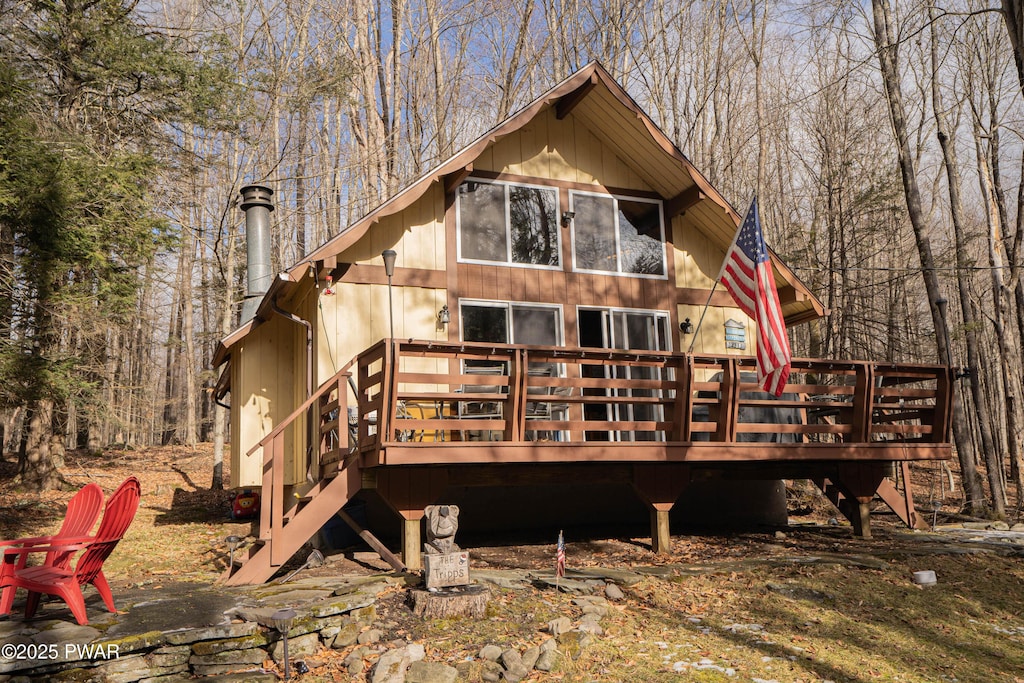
(537, 326)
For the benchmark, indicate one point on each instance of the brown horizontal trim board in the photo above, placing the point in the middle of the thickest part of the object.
(408, 453)
(565, 184)
(699, 297)
(356, 273)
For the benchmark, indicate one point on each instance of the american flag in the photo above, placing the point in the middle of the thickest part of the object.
(560, 556)
(747, 274)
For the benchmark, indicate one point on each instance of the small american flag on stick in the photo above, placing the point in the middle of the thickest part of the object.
(560, 556)
(747, 274)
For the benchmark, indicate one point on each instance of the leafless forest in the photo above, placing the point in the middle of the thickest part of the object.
(883, 139)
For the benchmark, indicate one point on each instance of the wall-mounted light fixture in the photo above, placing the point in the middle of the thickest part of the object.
(686, 327)
(567, 217)
(444, 316)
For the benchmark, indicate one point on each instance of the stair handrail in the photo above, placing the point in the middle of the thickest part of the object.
(325, 388)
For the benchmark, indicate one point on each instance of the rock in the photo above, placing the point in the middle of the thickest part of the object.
(431, 672)
(171, 655)
(212, 647)
(492, 672)
(780, 536)
(372, 636)
(557, 627)
(300, 647)
(221, 632)
(354, 662)
(515, 670)
(347, 635)
(223, 662)
(573, 642)
(1018, 527)
(613, 592)
(598, 610)
(491, 653)
(589, 624)
(391, 666)
(622, 577)
(548, 645)
(530, 657)
(548, 659)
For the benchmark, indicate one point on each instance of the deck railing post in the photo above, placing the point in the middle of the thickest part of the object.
(728, 406)
(682, 404)
(515, 417)
(863, 400)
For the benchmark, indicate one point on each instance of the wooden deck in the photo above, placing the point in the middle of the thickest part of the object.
(409, 418)
(588, 405)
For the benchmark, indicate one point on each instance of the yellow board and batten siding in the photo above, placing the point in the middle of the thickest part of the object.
(356, 316)
(272, 385)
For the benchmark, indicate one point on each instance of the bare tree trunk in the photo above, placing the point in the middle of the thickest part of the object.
(887, 50)
(968, 473)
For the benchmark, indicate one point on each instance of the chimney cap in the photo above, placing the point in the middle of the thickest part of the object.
(256, 195)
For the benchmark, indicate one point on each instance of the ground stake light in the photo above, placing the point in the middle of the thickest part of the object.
(282, 620)
(233, 542)
(314, 559)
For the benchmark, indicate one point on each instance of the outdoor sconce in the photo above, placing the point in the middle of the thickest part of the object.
(567, 218)
(444, 316)
(282, 620)
(686, 327)
(233, 542)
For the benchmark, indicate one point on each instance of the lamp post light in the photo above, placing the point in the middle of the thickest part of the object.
(282, 620)
(389, 256)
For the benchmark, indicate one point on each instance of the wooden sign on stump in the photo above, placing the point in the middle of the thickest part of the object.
(451, 569)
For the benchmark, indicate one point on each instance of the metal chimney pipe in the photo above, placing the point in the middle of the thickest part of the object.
(257, 206)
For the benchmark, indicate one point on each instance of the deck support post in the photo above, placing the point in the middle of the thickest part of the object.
(408, 491)
(411, 552)
(659, 486)
(858, 481)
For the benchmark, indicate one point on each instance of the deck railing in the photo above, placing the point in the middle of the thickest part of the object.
(454, 393)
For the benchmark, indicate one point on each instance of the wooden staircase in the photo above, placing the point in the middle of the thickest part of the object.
(283, 532)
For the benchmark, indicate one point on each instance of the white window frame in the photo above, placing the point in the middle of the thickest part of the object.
(507, 305)
(618, 240)
(508, 225)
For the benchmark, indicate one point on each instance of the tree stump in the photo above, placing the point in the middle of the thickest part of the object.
(457, 601)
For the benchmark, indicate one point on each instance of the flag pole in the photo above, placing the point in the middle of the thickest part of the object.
(714, 286)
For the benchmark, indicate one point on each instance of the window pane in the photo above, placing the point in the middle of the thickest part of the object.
(594, 233)
(484, 324)
(534, 216)
(535, 326)
(482, 221)
(640, 238)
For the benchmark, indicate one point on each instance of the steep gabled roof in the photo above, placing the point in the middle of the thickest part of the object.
(597, 100)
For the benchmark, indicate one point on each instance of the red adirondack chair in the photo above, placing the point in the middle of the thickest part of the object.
(82, 511)
(66, 582)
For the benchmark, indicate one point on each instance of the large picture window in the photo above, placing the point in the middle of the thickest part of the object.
(508, 223)
(617, 234)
